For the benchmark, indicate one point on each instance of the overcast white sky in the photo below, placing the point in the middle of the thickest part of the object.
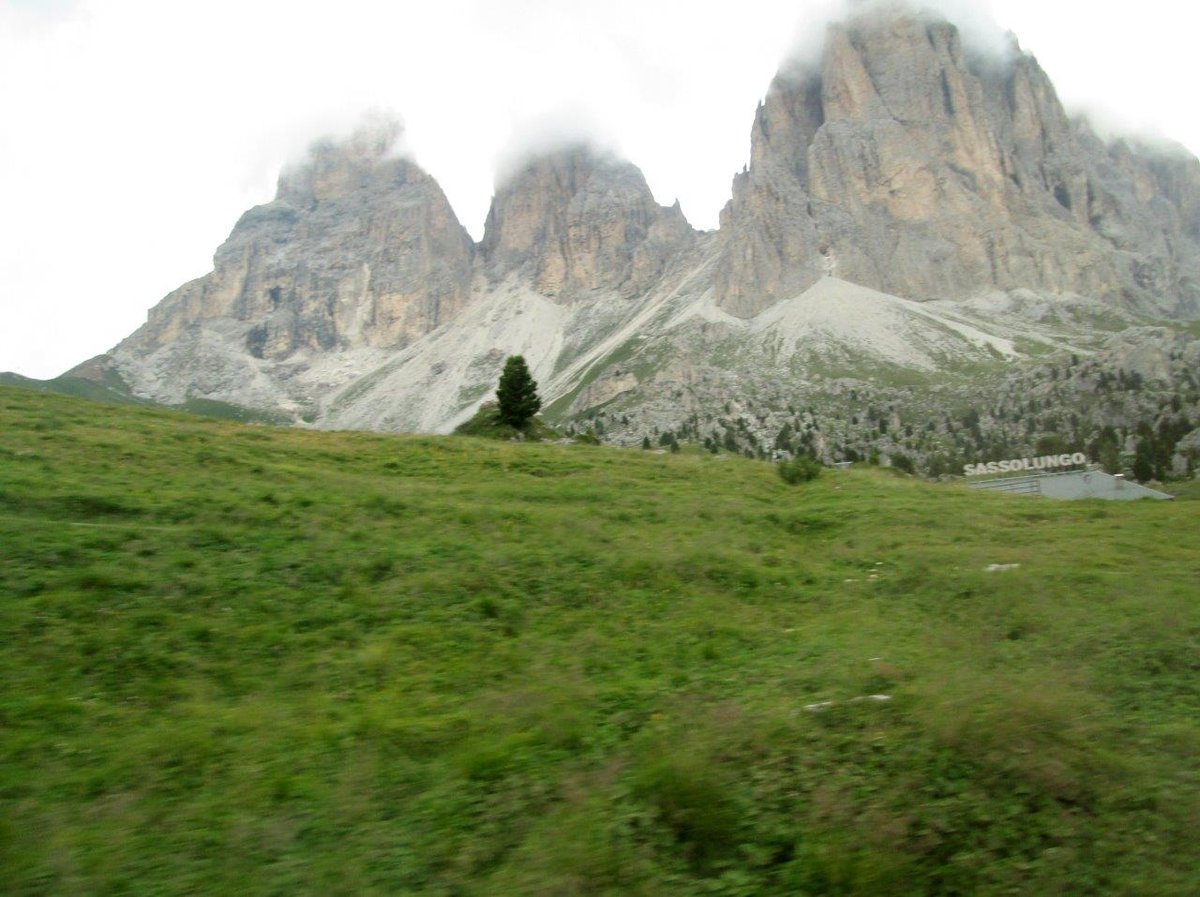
(133, 133)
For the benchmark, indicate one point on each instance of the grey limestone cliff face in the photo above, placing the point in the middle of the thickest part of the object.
(906, 162)
(358, 248)
(578, 220)
(903, 165)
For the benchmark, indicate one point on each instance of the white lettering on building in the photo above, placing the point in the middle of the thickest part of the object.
(1025, 465)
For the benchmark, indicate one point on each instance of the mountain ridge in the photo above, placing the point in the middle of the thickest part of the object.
(900, 166)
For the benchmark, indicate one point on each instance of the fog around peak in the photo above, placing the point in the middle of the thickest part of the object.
(555, 131)
(981, 33)
(376, 135)
(379, 135)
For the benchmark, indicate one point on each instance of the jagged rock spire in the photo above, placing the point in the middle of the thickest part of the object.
(909, 163)
(576, 220)
(359, 247)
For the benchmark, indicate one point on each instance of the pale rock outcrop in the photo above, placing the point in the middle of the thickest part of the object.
(577, 220)
(604, 389)
(1149, 351)
(1187, 455)
(358, 248)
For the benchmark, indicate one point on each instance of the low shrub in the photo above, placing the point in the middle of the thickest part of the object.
(693, 801)
(801, 469)
(488, 424)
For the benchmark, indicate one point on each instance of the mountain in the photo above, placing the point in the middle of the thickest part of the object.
(904, 162)
(916, 212)
(358, 250)
(575, 222)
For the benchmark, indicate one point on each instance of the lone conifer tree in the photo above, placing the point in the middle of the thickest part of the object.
(517, 393)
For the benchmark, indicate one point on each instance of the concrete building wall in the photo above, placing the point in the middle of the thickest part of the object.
(1072, 485)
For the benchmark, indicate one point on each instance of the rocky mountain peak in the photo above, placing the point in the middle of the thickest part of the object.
(576, 220)
(333, 169)
(359, 247)
(906, 161)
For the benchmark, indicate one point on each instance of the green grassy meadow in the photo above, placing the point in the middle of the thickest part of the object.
(246, 660)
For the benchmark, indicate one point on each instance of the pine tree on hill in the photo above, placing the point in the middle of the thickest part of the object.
(516, 394)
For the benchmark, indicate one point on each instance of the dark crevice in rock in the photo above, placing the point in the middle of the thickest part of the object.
(947, 100)
(256, 340)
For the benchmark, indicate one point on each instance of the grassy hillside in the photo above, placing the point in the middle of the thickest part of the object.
(111, 388)
(247, 660)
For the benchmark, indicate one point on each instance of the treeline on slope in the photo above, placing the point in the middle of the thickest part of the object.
(1120, 419)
